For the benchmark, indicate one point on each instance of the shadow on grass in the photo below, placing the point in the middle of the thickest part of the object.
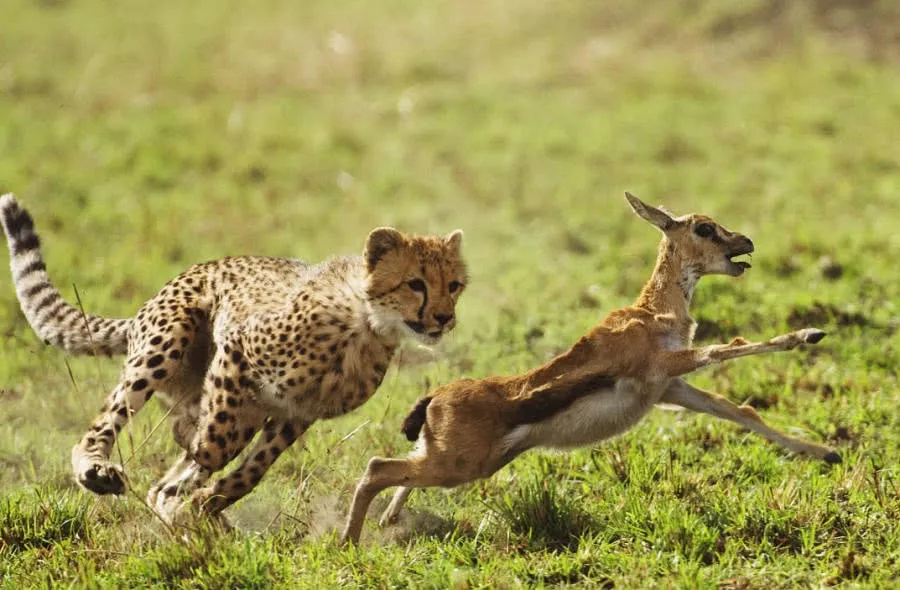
(542, 517)
(414, 525)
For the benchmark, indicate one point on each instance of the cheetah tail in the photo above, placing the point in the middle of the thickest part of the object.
(53, 319)
(413, 423)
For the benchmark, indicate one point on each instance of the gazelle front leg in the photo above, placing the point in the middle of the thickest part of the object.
(682, 362)
(683, 394)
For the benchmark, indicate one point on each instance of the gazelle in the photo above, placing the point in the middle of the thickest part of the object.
(599, 388)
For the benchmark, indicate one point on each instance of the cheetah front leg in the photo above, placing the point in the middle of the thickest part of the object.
(187, 475)
(90, 457)
(277, 436)
(228, 420)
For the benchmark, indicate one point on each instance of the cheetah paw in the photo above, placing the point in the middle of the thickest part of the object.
(102, 477)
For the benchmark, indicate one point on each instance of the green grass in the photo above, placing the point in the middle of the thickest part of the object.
(147, 136)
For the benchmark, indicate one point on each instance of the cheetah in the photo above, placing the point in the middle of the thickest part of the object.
(244, 346)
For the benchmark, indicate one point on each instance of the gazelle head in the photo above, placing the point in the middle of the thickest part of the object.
(700, 241)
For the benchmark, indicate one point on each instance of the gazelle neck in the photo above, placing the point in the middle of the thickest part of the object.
(671, 286)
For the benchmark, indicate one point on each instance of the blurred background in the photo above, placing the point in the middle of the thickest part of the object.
(146, 136)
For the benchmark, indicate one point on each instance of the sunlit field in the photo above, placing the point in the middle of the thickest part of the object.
(144, 137)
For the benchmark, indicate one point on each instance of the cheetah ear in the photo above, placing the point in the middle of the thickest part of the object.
(381, 241)
(657, 217)
(453, 240)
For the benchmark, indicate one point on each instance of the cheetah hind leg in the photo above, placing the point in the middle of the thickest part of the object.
(167, 495)
(146, 370)
(177, 480)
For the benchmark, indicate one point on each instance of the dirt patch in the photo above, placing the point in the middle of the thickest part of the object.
(867, 28)
(787, 266)
(575, 244)
(735, 584)
(677, 149)
(825, 313)
(712, 330)
(533, 335)
(830, 268)
(762, 401)
(10, 394)
(411, 524)
(824, 390)
(326, 515)
(844, 433)
(127, 290)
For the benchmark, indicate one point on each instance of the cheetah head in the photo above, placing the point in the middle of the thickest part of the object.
(414, 282)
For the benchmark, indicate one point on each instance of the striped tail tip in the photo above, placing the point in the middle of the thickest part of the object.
(18, 225)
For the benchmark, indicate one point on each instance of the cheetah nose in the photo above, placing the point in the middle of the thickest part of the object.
(443, 318)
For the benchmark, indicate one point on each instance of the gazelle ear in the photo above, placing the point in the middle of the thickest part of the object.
(381, 241)
(657, 217)
(453, 240)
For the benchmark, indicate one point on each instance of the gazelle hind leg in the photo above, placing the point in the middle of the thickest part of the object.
(683, 394)
(416, 472)
(393, 510)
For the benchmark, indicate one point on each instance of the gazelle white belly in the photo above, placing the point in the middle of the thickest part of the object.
(590, 419)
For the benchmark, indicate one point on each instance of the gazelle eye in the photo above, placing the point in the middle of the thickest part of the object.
(704, 230)
(454, 286)
(417, 285)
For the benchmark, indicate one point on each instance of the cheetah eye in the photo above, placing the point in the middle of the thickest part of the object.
(417, 285)
(704, 230)
(454, 286)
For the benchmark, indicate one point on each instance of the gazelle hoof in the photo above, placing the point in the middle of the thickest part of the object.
(387, 520)
(813, 336)
(833, 458)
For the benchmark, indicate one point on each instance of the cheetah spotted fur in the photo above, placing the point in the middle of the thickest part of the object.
(242, 345)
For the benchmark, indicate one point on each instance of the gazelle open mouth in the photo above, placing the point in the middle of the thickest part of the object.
(741, 263)
(739, 266)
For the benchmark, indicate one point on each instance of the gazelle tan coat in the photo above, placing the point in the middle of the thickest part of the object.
(599, 388)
